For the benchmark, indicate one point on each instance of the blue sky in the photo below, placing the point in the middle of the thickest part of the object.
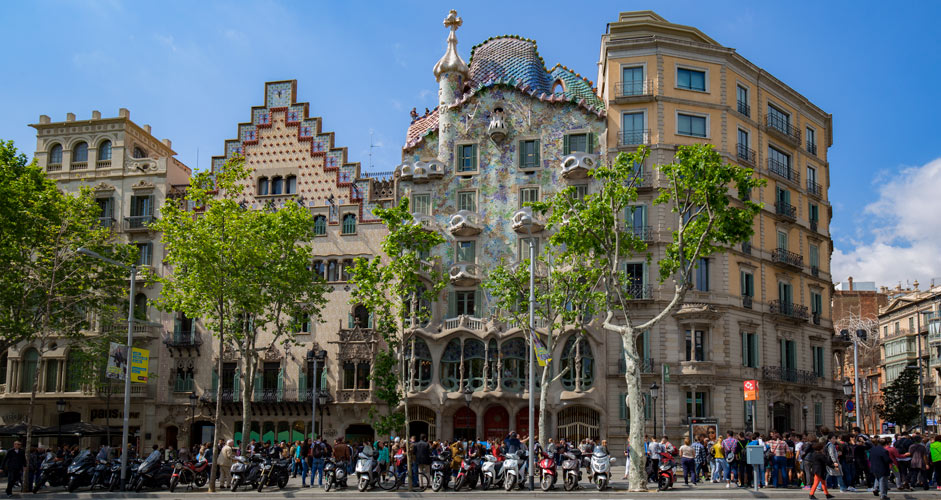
(192, 70)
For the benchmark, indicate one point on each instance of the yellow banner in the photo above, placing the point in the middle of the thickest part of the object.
(140, 360)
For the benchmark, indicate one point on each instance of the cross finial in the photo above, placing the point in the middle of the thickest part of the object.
(453, 21)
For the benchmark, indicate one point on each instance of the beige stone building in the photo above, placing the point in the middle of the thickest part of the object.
(760, 311)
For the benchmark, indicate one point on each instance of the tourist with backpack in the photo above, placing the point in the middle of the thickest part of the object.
(730, 450)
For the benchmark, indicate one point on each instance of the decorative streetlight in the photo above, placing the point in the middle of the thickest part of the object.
(60, 409)
(322, 399)
(527, 221)
(314, 357)
(804, 411)
(847, 388)
(127, 364)
(654, 394)
(193, 397)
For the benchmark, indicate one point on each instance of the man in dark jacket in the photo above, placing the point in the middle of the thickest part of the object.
(880, 464)
(422, 458)
(13, 464)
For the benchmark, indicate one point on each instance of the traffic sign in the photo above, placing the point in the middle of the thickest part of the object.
(850, 406)
(751, 390)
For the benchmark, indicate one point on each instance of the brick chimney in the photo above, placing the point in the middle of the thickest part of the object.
(70, 117)
(96, 115)
(850, 279)
(124, 113)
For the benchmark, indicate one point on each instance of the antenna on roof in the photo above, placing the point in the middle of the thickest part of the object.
(371, 146)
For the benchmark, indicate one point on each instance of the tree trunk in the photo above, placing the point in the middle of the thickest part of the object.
(637, 480)
(29, 425)
(247, 389)
(217, 434)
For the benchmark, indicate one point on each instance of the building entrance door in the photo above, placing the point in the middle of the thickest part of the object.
(496, 423)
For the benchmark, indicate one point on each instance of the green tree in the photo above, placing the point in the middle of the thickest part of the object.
(245, 273)
(565, 292)
(900, 399)
(50, 294)
(393, 289)
(706, 219)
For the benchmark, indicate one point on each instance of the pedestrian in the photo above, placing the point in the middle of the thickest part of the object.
(319, 450)
(820, 464)
(880, 465)
(627, 458)
(918, 473)
(730, 447)
(422, 452)
(834, 471)
(779, 451)
(720, 470)
(905, 459)
(653, 453)
(226, 459)
(688, 457)
(13, 464)
(701, 459)
(934, 452)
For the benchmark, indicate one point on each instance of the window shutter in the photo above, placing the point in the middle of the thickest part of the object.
(536, 154)
(591, 142)
(150, 205)
(452, 304)
(522, 153)
(622, 406)
(258, 387)
(783, 353)
(301, 384)
(478, 304)
(281, 384)
(349, 320)
(756, 351)
(474, 156)
(792, 356)
(565, 145)
(744, 349)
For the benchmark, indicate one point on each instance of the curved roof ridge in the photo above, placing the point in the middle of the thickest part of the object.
(516, 37)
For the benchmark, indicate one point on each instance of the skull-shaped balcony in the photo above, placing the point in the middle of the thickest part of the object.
(577, 165)
(464, 274)
(524, 222)
(425, 222)
(464, 223)
(421, 171)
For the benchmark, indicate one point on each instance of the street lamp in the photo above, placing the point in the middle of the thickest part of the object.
(60, 409)
(193, 398)
(654, 394)
(804, 411)
(847, 388)
(127, 364)
(322, 400)
(314, 357)
(526, 220)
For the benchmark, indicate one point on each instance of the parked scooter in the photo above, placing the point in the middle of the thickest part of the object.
(547, 472)
(102, 475)
(152, 473)
(601, 468)
(114, 482)
(334, 474)
(81, 470)
(468, 475)
(440, 471)
(189, 473)
(367, 470)
(666, 475)
(511, 470)
(245, 471)
(53, 471)
(491, 471)
(274, 471)
(571, 471)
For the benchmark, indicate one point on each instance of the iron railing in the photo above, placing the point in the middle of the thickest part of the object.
(746, 154)
(178, 338)
(106, 222)
(786, 257)
(184, 385)
(744, 108)
(781, 374)
(634, 137)
(812, 148)
(782, 126)
(814, 189)
(789, 310)
(785, 209)
(813, 225)
(644, 233)
(815, 317)
(635, 88)
(638, 292)
(747, 301)
(746, 247)
(138, 222)
(782, 169)
(815, 271)
(646, 365)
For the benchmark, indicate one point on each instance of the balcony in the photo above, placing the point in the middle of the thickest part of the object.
(354, 396)
(783, 170)
(783, 128)
(744, 109)
(636, 291)
(643, 233)
(785, 210)
(229, 395)
(634, 88)
(53, 167)
(465, 322)
(813, 225)
(184, 385)
(421, 171)
(425, 222)
(747, 301)
(142, 329)
(789, 310)
(464, 274)
(78, 165)
(577, 165)
(746, 155)
(464, 223)
(790, 259)
(106, 222)
(789, 375)
(630, 138)
(815, 318)
(746, 247)
(646, 365)
(812, 148)
(180, 341)
(104, 164)
(138, 222)
(814, 189)
(116, 389)
(524, 222)
(815, 271)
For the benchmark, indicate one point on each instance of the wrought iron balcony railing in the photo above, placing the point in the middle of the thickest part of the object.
(646, 365)
(789, 310)
(635, 88)
(634, 137)
(138, 222)
(744, 108)
(782, 169)
(813, 225)
(812, 148)
(746, 247)
(785, 209)
(747, 301)
(815, 271)
(746, 155)
(644, 233)
(783, 256)
(639, 292)
(783, 127)
(781, 374)
(107, 222)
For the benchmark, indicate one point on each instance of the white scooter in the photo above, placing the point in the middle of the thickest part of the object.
(367, 470)
(601, 468)
(511, 470)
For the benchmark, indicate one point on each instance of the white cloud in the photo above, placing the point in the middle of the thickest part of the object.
(904, 234)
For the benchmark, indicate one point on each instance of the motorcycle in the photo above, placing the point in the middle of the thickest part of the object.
(601, 468)
(571, 471)
(367, 470)
(334, 474)
(114, 481)
(53, 471)
(511, 470)
(245, 471)
(152, 473)
(468, 474)
(102, 475)
(81, 470)
(491, 471)
(666, 475)
(547, 473)
(440, 471)
(189, 473)
(274, 471)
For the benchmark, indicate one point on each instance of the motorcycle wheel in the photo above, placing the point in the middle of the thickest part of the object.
(261, 483)
(601, 482)
(437, 481)
(509, 482)
(546, 482)
(139, 485)
(282, 482)
(175, 480)
(234, 486)
(201, 479)
(363, 483)
(73, 484)
(113, 484)
(486, 482)
(327, 482)
(458, 483)
(570, 483)
(38, 485)
(662, 483)
(472, 484)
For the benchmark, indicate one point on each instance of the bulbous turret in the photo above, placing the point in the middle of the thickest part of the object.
(451, 61)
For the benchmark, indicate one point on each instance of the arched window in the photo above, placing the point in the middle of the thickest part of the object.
(30, 370)
(451, 366)
(332, 271)
(577, 357)
(493, 371)
(291, 187)
(349, 223)
(55, 155)
(420, 364)
(277, 185)
(104, 150)
(320, 225)
(139, 153)
(361, 317)
(262, 186)
(514, 352)
(73, 372)
(475, 356)
(140, 307)
(80, 152)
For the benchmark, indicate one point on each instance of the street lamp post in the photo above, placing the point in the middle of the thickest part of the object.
(527, 221)
(848, 392)
(322, 399)
(770, 416)
(314, 357)
(193, 398)
(60, 409)
(804, 411)
(654, 394)
(127, 365)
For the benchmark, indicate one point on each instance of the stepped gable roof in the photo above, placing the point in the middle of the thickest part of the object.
(514, 61)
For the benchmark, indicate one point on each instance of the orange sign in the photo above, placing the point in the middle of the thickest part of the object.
(751, 390)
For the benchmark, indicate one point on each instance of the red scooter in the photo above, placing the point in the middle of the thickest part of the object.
(468, 474)
(665, 476)
(189, 473)
(547, 472)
